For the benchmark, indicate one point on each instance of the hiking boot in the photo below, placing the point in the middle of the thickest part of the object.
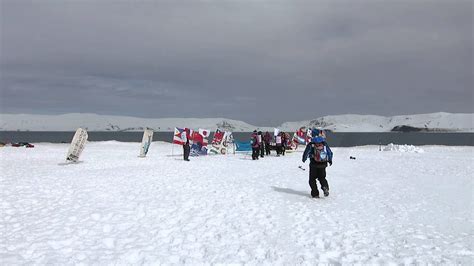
(326, 191)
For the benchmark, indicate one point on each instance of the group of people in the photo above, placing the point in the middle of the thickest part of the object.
(261, 144)
(317, 151)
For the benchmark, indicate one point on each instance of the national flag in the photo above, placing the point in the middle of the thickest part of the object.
(205, 135)
(217, 143)
(204, 132)
(200, 142)
(181, 135)
(178, 136)
(299, 136)
(218, 137)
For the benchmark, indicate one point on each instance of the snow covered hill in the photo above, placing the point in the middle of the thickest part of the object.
(94, 122)
(439, 122)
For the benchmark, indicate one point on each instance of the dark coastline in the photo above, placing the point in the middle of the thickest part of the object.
(339, 139)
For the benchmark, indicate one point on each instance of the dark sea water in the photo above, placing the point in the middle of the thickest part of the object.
(334, 139)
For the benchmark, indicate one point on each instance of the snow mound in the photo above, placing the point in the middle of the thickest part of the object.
(403, 148)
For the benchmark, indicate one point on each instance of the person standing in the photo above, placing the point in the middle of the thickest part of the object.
(278, 143)
(255, 145)
(186, 147)
(267, 138)
(284, 140)
(320, 155)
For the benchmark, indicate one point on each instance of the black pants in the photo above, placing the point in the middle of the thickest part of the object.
(262, 150)
(317, 171)
(186, 151)
(255, 153)
(267, 148)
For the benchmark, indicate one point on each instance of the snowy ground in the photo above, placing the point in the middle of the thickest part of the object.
(115, 208)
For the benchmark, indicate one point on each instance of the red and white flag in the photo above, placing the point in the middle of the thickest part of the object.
(181, 135)
(205, 135)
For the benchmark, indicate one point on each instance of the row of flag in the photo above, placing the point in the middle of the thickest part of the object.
(198, 140)
(303, 135)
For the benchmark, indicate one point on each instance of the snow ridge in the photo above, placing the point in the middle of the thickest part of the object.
(94, 122)
(434, 122)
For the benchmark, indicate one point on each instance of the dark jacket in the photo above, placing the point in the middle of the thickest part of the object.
(267, 138)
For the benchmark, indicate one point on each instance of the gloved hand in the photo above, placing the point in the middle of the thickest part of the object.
(330, 163)
(304, 160)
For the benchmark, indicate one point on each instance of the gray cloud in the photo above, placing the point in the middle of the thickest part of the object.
(262, 62)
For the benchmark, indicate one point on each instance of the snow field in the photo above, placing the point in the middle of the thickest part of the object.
(116, 208)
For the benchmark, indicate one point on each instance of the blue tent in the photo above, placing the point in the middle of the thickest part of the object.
(243, 146)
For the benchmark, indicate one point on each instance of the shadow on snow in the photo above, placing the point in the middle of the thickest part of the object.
(290, 191)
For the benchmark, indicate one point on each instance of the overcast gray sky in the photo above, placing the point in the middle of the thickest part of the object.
(264, 62)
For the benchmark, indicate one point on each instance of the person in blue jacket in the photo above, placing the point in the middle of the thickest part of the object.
(320, 155)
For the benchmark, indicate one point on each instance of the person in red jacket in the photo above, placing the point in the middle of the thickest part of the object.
(255, 145)
(267, 138)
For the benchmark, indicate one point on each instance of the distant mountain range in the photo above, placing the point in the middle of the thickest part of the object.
(94, 122)
(435, 122)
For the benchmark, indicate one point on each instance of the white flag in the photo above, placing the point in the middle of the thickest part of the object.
(276, 131)
(204, 132)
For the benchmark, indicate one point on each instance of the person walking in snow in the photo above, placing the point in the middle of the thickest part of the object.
(255, 145)
(267, 138)
(320, 155)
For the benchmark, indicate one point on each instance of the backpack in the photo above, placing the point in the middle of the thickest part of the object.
(320, 155)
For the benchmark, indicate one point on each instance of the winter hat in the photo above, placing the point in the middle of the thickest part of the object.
(318, 140)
